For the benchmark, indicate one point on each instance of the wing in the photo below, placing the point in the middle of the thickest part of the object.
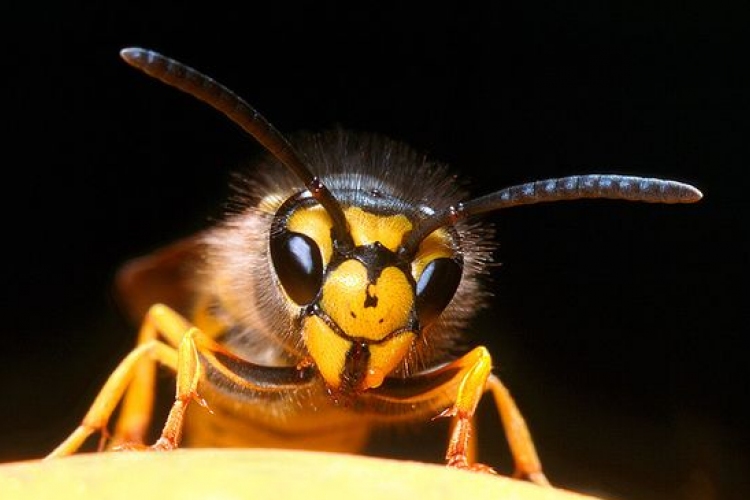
(166, 276)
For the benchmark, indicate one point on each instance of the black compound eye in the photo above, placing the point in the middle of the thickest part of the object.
(298, 264)
(436, 287)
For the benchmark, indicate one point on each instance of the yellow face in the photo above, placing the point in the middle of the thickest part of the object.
(362, 321)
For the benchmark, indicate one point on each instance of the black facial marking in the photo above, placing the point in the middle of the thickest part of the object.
(375, 258)
(370, 300)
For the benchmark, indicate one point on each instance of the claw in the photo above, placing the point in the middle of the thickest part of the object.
(463, 464)
(131, 446)
(162, 444)
(104, 436)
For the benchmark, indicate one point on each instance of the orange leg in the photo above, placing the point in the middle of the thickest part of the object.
(472, 447)
(136, 374)
(111, 394)
(527, 464)
(134, 420)
(459, 386)
(462, 446)
(476, 380)
(188, 375)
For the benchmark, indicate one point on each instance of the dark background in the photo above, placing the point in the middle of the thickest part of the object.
(617, 326)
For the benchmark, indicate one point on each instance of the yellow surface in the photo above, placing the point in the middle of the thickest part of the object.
(254, 474)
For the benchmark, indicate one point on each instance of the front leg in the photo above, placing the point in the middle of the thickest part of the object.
(190, 353)
(132, 383)
(110, 395)
(188, 375)
(456, 388)
(477, 379)
(160, 323)
(477, 366)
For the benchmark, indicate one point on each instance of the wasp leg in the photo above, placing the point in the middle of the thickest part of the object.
(457, 387)
(188, 375)
(110, 395)
(475, 382)
(477, 366)
(527, 464)
(473, 445)
(187, 351)
(133, 382)
(137, 407)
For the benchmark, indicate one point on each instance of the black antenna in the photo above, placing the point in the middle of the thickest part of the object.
(210, 91)
(576, 187)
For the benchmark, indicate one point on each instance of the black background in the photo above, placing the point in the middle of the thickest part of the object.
(618, 326)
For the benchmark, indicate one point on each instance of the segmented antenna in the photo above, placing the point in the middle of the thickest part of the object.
(576, 187)
(210, 91)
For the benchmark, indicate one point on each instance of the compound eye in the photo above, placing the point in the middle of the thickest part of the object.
(436, 287)
(299, 265)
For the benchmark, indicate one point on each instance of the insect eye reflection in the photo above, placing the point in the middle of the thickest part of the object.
(299, 265)
(436, 287)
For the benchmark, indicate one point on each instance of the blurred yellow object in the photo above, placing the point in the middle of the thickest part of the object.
(254, 474)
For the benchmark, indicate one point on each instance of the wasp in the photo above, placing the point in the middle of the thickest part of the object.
(329, 301)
